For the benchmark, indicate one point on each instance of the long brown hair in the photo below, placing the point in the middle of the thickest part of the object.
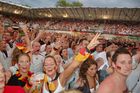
(84, 67)
(15, 55)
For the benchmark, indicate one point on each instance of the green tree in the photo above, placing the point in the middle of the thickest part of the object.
(75, 4)
(64, 3)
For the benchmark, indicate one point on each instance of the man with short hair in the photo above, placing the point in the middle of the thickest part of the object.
(116, 82)
(37, 58)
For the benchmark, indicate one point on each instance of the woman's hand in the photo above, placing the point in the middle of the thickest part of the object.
(94, 42)
(84, 53)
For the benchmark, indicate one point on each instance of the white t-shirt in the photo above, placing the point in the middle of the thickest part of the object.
(37, 63)
(5, 61)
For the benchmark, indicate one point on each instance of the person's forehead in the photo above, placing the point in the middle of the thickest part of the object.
(92, 66)
(36, 43)
(23, 57)
(123, 57)
(64, 50)
(49, 60)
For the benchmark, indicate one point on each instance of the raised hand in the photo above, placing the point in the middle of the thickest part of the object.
(94, 42)
(24, 27)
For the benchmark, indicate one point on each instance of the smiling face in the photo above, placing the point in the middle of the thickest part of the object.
(2, 77)
(50, 66)
(36, 47)
(64, 53)
(99, 48)
(24, 63)
(123, 64)
(7, 37)
(92, 70)
(48, 49)
(88, 68)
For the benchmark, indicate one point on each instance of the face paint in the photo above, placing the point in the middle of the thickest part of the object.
(118, 67)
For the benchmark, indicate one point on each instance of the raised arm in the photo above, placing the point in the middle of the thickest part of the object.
(27, 40)
(78, 59)
(39, 36)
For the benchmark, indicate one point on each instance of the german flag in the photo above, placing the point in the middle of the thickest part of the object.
(20, 46)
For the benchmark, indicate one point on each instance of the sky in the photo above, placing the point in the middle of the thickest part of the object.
(86, 3)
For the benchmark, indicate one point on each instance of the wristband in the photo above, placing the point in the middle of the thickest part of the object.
(88, 50)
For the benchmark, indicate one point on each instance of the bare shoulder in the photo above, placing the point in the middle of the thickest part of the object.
(107, 86)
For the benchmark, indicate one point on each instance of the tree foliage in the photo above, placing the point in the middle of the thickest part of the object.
(77, 4)
(64, 3)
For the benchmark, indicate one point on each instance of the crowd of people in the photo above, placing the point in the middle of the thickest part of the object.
(34, 60)
(103, 26)
(108, 27)
(123, 28)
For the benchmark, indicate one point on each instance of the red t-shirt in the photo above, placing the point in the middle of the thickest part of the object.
(13, 89)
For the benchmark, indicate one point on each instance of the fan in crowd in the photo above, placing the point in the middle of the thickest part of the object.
(36, 60)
